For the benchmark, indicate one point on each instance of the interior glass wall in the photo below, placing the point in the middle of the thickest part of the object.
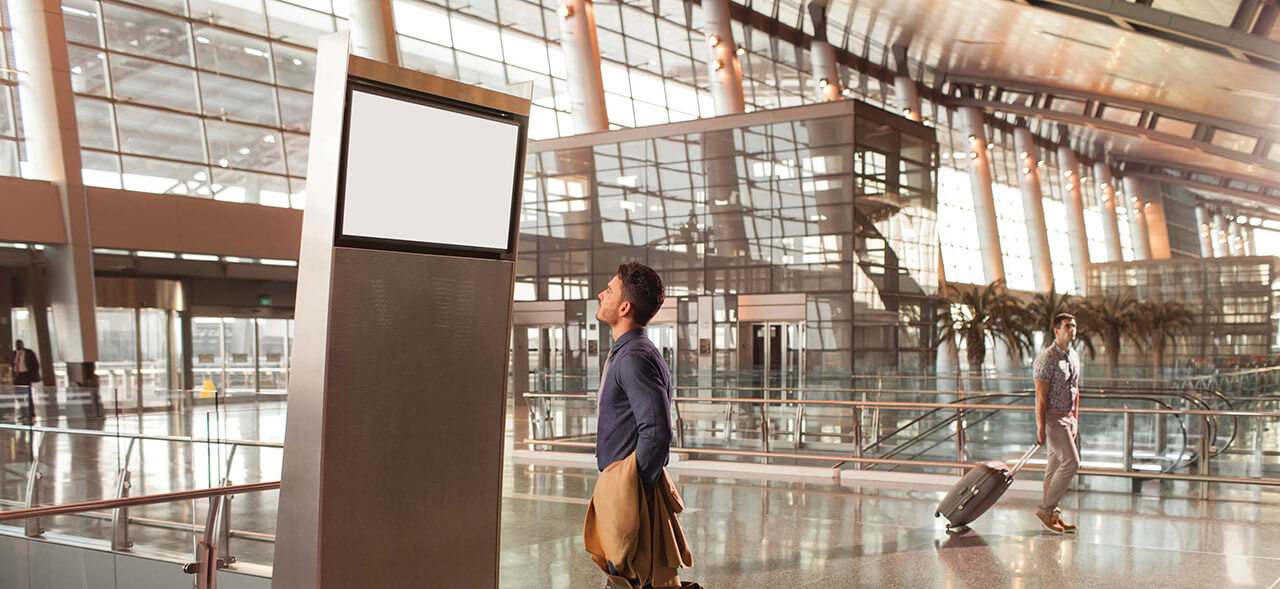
(840, 206)
(241, 354)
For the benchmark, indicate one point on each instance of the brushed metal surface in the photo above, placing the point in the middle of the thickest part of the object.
(413, 421)
(423, 82)
(298, 524)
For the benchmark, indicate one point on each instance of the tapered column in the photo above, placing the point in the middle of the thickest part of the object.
(1033, 208)
(373, 31)
(1138, 233)
(984, 202)
(1157, 226)
(1219, 235)
(905, 89)
(1250, 246)
(826, 73)
(582, 66)
(1204, 231)
(1110, 220)
(1235, 241)
(53, 154)
(1076, 234)
(724, 70)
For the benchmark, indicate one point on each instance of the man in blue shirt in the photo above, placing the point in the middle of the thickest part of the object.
(635, 387)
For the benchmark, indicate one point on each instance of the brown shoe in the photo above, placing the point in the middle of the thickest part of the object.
(1066, 527)
(1050, 521)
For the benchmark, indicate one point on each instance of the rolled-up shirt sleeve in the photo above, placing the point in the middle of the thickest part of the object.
(645, 385)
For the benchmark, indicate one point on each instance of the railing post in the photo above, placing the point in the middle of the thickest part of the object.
(857, 436)
(798, 430)
(961, 454)
(32, 494)
(764, 428)
(1206, 450)
(205, 568)
(679, 423)
(120, 515)
(1128, 442)
(224, 533)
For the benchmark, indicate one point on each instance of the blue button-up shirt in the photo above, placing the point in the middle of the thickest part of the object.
(635, 406)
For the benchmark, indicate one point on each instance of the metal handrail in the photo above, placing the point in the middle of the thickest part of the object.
(100, 504)
(920, 405)
(145, 437)
(932, 463)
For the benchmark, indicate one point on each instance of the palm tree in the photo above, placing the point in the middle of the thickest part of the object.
(1162, 321)
(973, 313)
(1112, 318)
(1045, 306)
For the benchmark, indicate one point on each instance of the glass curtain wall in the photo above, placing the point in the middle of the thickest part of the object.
(241, 354)
(9, 142)
(204, 98)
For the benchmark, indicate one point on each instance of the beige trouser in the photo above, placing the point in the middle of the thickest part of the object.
(1064, 458)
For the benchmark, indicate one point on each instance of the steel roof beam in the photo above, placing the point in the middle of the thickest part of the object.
(1240, 44)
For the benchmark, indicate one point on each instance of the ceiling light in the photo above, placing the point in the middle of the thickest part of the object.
(566, 11)
(823, 83)
(716, 65)
(740, 51)
(1023, 155)
(714, 40)
(1026, 170)
(972, 138)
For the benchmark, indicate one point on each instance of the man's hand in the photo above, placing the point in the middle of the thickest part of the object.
(1040, 435)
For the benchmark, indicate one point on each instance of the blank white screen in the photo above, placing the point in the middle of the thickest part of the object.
(428, 175)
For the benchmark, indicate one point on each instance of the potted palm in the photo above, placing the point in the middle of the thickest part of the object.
(1044, 306)
(970, 314)
(1112, 318)
(1162, 321)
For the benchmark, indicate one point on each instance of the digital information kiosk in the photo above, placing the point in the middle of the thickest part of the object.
(392, 471)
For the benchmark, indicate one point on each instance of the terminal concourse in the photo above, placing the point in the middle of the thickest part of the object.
(336, 293)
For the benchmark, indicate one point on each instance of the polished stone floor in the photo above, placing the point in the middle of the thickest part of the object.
(745, 531)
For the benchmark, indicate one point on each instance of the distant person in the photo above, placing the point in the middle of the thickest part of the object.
(631, 530)
(1057, 377)
(26, 371)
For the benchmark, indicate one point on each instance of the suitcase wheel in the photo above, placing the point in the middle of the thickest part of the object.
(937, 514)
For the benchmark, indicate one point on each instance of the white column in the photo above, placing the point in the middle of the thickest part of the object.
(1250, 247)
(1219, 235)
(1138, 234)
(1157, 227)
(1076, 233)
(1235, 241)
(1110, 221)
(1205, 231)
(53, 153)
(908, 95)
(826, 75)
(373, 31)
(1033, 208)
(984, 202)
(724, 70)
(582, 65)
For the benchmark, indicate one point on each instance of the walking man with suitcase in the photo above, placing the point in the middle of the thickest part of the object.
(1057, 378)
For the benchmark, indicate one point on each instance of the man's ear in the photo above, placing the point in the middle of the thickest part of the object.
(624, 309)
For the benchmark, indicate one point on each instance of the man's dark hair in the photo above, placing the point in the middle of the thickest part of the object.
(1061, 318)
(17, 343)
(642, 287)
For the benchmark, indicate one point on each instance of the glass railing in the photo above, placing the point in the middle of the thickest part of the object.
(1127, 433)
(81, 448)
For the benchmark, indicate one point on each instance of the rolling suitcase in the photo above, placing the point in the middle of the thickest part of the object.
(978, 490)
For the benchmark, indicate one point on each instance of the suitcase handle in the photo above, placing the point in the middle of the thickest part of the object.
(1023, 461)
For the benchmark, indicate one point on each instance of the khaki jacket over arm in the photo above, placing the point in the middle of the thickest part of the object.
(636, 530)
